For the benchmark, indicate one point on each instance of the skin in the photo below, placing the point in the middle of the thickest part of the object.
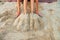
(32, 3)
(25, 6)
(18, 7)
(36, 6)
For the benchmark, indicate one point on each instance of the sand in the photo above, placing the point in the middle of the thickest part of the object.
(48, 29)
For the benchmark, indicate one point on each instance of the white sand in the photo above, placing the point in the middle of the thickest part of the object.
(50, 24)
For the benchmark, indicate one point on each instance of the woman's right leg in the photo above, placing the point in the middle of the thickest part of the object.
(18, 7)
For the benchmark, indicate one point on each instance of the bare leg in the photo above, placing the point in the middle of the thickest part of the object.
(32, 4)
(36, 6)
(25, 6)
(37, 9)
(18, 7)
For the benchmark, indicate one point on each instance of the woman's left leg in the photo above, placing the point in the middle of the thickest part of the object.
(25, 6)
(36, 6)
(32, 6)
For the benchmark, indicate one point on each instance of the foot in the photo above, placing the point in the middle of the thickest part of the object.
(18, 13)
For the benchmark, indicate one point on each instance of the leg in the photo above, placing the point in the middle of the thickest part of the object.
(37, 9)
(18, 7)
(36, 6)
(32, 4)
(25, 6)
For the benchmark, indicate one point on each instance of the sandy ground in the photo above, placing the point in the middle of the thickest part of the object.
(51, 26)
